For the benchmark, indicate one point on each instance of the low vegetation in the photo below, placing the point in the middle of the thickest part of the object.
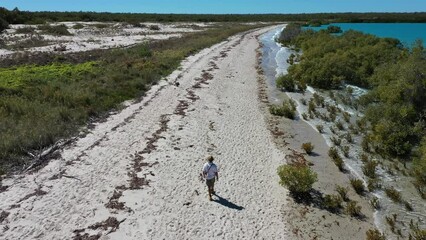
(353, 209)
(394, 126)
(320, 128)
(393, 194)
(16, 16)
(358, 186)
(374, 234)
(332, 202)
(25, 30)
(333, 153)
(369, 168)
(57, 30)
(375, 203)
(343, 192)
(308, 147)
(40, 105)
(297, 178)
(287, 109)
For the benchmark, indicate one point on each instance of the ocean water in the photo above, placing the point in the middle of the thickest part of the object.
(407, 33)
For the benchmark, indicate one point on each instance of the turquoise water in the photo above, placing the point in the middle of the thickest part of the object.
(407, 33)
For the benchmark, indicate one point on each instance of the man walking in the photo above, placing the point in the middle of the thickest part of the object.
(210, 172)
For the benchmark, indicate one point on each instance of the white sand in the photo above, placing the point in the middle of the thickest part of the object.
(90, 37)
(226, 121)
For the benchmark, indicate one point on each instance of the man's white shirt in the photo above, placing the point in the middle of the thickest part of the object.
(210, 169)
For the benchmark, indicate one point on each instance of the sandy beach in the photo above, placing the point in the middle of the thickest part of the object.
(135, 175)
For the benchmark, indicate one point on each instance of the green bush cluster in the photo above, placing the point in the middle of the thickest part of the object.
(3, 25)
(290, 32)
(343, 192)
(332, 202)
(336, 158)
(308, 147)
(57, 30)
(298, 179)
(358, 185)
(25, 30)
(394, 125)
(287, 109)
(369, 168)
(286, 82)
(353, 209)
(328, 61)
(334, 29)
(374, 234)
(393, 194)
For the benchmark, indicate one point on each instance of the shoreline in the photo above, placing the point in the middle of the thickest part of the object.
(304, 219)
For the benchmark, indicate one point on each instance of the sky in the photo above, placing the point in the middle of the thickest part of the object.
(219, 6)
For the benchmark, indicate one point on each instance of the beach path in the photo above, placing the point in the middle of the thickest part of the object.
(136, 175)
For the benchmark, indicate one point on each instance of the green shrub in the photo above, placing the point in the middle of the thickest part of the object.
(375, 203)
(335, 157)
(373, 184)
(78, 26)
(332, 202)
(345, 150)
(346, 117)
(58, 30)
(369, 168)
(348, 138)
(358, 186)
(391, 222)
(332, 116)
(365, 144)
(25, 30)
(319, 100)
(374, 234)
(298, 179)
(308, 147)
(101, 25)
(336, 140)
(320, 128)
(3, 25)
(364, 157)
(393, 194)
(408, 206)
(353, 209)
(354, 130)
(418, 235)
(343, 192)
(340, 126)
(305, 116)
(288, 109)
(303, 101)
(286, 82)
(154, 27)
(311, 106)
(334, 29)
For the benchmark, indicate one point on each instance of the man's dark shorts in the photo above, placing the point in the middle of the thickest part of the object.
(210, 182)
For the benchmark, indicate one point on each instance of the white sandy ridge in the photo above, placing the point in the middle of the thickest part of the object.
(91, 37)
(162, 141)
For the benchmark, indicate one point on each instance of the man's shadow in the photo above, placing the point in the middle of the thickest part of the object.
(226, 203)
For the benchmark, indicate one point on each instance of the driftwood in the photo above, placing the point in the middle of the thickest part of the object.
(39, 159)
